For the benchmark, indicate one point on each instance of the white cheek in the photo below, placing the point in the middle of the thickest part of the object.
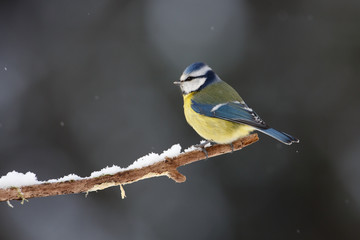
(191, 86)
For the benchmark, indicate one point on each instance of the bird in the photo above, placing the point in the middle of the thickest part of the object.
(217, 112)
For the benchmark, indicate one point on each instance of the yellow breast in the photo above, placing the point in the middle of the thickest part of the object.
(214, 129)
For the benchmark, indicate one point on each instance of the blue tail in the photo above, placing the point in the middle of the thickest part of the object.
(280, 136)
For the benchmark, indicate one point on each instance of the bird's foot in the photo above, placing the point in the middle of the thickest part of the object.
(232, 147)
(203, 148)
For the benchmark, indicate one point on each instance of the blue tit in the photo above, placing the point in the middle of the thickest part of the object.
(216, 111)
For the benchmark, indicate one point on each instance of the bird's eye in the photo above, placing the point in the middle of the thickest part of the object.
(189, 78)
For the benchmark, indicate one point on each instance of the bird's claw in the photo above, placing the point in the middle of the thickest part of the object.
(203, 148)
(232, 147)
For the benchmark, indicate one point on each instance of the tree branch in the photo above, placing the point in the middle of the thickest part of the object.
(168, 167)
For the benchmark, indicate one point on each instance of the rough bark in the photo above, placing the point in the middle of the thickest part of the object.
(168, 167)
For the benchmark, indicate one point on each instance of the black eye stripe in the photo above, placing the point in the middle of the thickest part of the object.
(191, 78)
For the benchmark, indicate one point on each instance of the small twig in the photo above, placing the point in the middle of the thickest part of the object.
(168, 167)
(123, 195)
(9, 204)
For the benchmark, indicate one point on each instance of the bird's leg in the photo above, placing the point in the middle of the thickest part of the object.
(202, 146)
(232, 147)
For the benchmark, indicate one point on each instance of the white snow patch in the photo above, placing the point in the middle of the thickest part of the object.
(174, 151)
(16, 179)
(206, 145)
(194, 147)
(106, 171)
(152, 158)
(191, 148)
(65, 178)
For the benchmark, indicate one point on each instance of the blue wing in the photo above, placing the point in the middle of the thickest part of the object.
(239, 112)
(232, 111)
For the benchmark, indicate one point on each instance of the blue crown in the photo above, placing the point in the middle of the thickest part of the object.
(194, 67)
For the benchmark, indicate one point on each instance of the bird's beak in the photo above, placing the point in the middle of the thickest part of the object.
(177, 82)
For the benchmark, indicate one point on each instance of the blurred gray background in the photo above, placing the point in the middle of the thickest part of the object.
(88, 84)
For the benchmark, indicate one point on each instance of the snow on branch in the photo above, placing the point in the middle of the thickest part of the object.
(19, 186)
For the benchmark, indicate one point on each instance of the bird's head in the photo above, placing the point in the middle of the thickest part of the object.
(195, 77)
